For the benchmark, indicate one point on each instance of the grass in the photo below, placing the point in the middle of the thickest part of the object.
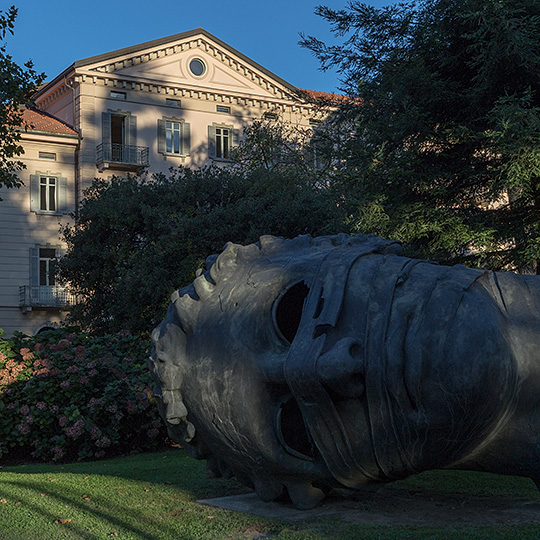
(153, 497)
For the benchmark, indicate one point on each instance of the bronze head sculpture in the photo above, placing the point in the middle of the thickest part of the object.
(308, 364)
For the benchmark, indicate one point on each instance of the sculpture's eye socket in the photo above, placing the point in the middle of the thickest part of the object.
(292, 431)
(288, 310)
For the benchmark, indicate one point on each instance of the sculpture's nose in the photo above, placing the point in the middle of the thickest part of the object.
(342, 368)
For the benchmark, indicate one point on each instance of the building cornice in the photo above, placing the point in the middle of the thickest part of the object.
(149, 85)
(62, 138)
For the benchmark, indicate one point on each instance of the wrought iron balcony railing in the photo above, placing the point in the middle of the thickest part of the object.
(121, 156)
(45, 297)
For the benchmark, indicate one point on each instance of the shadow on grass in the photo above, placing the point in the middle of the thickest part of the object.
(152, 497)
(141, 497)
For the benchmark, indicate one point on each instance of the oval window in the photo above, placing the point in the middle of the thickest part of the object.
(197, 67)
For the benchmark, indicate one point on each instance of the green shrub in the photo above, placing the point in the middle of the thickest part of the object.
(67, 396)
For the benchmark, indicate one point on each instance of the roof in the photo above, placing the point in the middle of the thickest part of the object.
(39, 121)
(160, 42)
(315, 95)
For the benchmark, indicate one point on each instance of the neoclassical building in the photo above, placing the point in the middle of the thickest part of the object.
(179, 100)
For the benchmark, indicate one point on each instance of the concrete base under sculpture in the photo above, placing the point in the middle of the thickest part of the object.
(308, 364)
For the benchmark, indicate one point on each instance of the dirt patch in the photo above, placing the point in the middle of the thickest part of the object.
(396, 506)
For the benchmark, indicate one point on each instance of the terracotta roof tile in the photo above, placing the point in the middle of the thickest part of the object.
(326, 96)
(34, 120)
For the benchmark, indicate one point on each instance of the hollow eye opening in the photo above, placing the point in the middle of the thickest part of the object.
(288, 310)
(291, 430)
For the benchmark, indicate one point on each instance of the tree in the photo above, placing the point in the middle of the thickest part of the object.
(305, 153)
(444, 151)
(135, 240)
(16, 86)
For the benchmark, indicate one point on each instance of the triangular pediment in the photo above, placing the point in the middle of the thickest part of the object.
(169, 62)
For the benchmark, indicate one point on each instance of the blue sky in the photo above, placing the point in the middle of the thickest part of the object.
(56, 33)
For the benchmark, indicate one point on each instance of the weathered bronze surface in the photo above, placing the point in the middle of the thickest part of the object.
(316, 363)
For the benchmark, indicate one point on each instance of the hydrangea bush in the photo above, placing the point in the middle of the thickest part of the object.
(67, 396)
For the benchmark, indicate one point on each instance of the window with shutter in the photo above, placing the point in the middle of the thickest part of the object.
(221, 138)
(48, 194)
(174, 137)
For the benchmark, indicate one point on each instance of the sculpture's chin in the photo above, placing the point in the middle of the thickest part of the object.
(181, 432)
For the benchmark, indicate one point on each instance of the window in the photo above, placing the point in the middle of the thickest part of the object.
(270, 116)
(173, 103)
(50, 156)
(197, 67)
(220, 141)
(48, 194)
(223, 109)
(119, 141)
(118, 95)
(47, 259)
(119, 129)
(174, 137)
(173, 131)
(44, 291)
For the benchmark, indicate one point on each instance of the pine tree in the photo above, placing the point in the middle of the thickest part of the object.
(444, 151)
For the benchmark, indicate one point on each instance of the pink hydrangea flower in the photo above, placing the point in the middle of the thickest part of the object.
(103, 442)
(24, 429)
(63, 344)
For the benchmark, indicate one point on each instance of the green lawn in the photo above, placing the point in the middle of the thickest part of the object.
(153, 497)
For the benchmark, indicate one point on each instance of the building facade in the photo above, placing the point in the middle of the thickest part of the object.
(180, 100)
(30, 221)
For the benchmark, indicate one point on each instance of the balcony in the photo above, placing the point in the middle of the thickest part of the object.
(44, 297)
(119, 156)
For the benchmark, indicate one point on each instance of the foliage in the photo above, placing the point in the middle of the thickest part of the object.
(136, 240)
(66, 396)
(291, 150)
(16, 85)
(444, 152)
